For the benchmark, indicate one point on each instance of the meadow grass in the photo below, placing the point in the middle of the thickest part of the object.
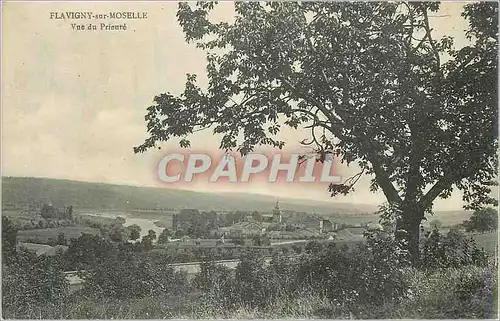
(43, 236)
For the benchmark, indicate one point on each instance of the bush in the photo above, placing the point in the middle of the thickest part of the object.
(86, 251)
(467, 292)
(252, 284)
(9, 240)
(217, 283)
(252, 281)
(451, 250)
(125, 274)
(368, 273)
(282, 273)
(32, 281)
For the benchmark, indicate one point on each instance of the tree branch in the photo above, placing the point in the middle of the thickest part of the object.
(444, 183)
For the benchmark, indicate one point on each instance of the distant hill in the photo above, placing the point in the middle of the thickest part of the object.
(22, 192)
(449, 218)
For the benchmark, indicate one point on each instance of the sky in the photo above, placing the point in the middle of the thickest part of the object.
(73, 102)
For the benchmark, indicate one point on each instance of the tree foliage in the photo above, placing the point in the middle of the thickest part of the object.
(135, 232)
(9, 239)
(87, 251)
(29, 280)
(164, 236)
(49, 211)
(125, 274)
(61, 239)
(152, 234)
(483, 220)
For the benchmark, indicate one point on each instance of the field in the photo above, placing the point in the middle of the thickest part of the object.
(165, 222)
(43, 236)
(450, 218)
(43, 248)
(21, 214)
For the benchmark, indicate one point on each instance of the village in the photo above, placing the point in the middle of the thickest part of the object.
(49, 229)
(274, 225)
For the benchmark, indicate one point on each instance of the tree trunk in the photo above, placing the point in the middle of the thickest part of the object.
(413, 232)
(408, 229)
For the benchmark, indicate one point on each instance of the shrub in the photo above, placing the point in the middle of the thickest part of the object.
(31, 281)
(369, 273)
(451, 250)
(86, 251)
(217, 283)
(252, 281)
(282, 273)
(125, 274)
(9, 240)
(467, 292)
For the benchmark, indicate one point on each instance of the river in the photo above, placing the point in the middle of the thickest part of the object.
(144, 223)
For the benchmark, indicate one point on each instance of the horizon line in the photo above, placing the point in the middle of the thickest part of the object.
(189, 190)
(291, 198)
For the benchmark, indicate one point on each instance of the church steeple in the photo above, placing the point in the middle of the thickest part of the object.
(277, 212)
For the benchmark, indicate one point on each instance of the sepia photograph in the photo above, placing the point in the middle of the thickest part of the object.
(249, 160)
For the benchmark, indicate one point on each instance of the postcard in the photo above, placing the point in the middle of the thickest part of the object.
(249, 160)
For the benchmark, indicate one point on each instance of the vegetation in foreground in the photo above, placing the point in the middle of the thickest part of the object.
(455, 279)
(441, 294)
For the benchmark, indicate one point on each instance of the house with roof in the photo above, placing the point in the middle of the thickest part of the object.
(244, 229)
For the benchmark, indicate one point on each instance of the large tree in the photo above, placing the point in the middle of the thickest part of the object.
(370, 82)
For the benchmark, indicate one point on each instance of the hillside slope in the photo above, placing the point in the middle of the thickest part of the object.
(21, 192)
